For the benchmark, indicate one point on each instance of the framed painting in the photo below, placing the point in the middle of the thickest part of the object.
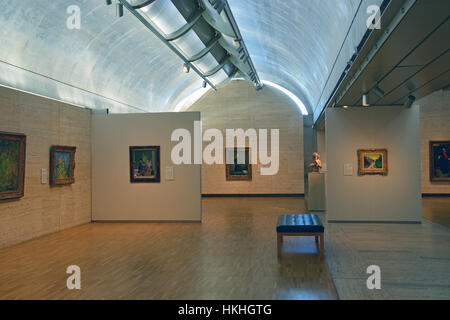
(62, 165)
(372, 161)
(144, 164)
(440, 161)
(12, 165)
(241, 169)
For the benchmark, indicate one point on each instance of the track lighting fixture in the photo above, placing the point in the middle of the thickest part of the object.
(409, 102)
(186, 68)
(378, 92)
(366, 100)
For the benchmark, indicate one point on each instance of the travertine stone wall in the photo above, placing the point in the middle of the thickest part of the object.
(434, 125)
(322, 146)
(238, 105)
(44, 210)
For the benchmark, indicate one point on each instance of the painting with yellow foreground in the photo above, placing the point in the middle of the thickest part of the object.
(372, 161)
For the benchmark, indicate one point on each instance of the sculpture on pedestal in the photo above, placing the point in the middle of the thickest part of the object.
(317, 164)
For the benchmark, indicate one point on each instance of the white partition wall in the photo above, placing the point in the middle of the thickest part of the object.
(114, 198)
(395, 197)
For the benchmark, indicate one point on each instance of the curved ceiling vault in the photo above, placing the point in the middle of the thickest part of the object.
(118, 63)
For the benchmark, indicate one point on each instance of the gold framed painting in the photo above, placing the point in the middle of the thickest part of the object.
(62, 165)
(372, 161)
(12, 165)
(144, 164)
(440, 161)
(238, 166)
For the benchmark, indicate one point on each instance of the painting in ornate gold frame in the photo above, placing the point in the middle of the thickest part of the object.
(241, 169)
(440, 161)
(372, 161)
(144, 164)
(12, 165)
(62, 165)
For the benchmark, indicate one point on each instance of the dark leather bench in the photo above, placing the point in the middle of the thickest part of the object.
(300, 225)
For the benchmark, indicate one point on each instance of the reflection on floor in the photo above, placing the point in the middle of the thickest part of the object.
(232, 255)
(437, 210)
(414, 259)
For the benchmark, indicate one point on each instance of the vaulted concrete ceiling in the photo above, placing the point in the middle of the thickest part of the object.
(295, 43)
(117, 63)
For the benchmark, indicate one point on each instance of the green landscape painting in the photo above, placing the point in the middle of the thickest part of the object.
(9, 165)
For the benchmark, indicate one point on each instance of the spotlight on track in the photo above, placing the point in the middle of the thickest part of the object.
(378, 92)
(409, 102)
(365, 100)
(204, 84)
(186, 68)
(108, 2)
(258, 86)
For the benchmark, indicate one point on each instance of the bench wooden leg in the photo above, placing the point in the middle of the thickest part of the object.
(322, 245)
(279, 243)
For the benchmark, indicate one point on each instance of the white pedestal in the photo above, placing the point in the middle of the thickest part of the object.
(316, 192)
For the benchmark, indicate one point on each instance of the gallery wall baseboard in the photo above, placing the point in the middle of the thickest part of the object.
(254, 195)
(435, 195)
(375, 222)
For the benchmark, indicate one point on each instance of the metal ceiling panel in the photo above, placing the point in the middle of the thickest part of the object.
(391, 82)
(438, 41)
(418, 24)
(428, 73)
(421, 37)
(440, 82)
(366, 81)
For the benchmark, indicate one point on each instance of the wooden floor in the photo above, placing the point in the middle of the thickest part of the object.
(232, 255)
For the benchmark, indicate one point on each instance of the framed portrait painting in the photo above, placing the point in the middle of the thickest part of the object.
(144, 164)
(12, 165)
(240, 169)
(372, 161)
(440, 161)
(62, 165)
